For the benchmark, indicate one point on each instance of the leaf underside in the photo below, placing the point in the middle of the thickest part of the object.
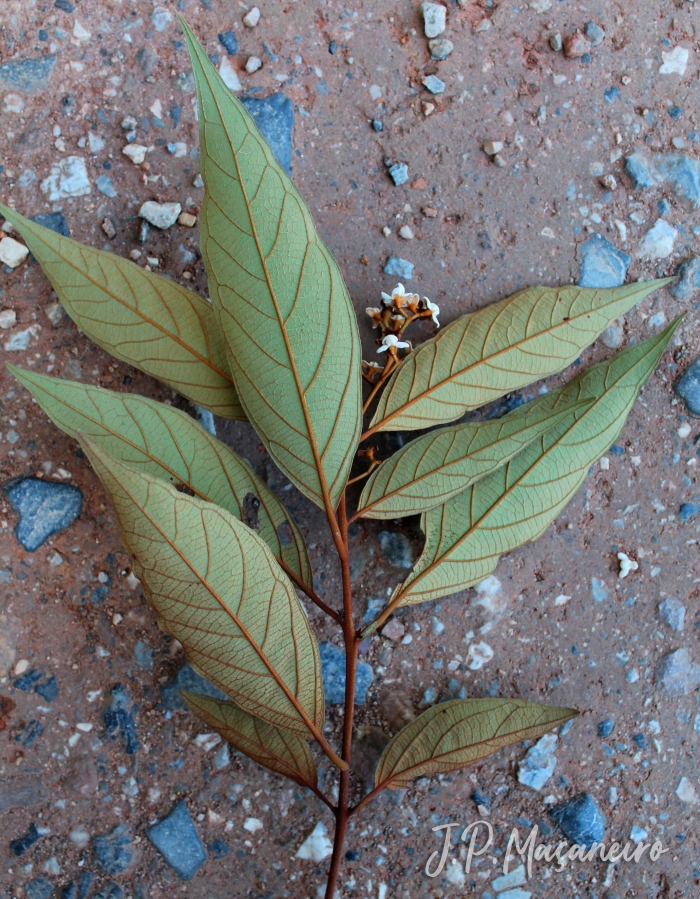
(465, 537)
(431, 469)
(169, 444)
(280, 751)
(503, 347)
(284, 308)
(457, 733)
(144, 319)
(217, 588)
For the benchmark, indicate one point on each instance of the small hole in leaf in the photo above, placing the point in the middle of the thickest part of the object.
(251, 504)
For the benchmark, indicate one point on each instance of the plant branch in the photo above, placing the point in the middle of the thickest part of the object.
(313, 596)
(380, 619)
(351, 645)
(321, 796)
(388, 368)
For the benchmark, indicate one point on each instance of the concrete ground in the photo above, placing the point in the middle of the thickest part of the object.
(69, 764)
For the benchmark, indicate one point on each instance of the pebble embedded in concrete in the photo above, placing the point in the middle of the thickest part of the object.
(274, 116)
(580, 819)
(68, 178)
(688, 283)
(160, 215)
(613, 336)
(400, 268)
(229, 42)
(44, 507)
(672, 612)
(576, 45)
(434, 19)
(333, 669)
(687, 387)
(440, 48)
(539, 762)
(136, 153)
(12, 252)
(114, 850)
(680, 171)
(105, 186)
(176, 838)
(658, 241)
(434, 84)
(399, 173)
(316, 846)
(251, 19)
(397, 549)
(602, 264)
(595, 34)
(677, 674)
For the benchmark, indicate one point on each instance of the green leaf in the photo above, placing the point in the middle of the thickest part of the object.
(284, 308)
(147, 320)
(454, 734)
(169, 444)
(428, 471)
(465, 537)
(505, 346)
(281, 752)
(217, 588)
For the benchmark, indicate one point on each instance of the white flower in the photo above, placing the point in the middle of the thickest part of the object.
(434, 308)
(375, 314)
(393, 342)
(398, 291)
(626, 564)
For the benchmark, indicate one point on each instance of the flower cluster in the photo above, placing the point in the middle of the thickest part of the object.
(397, 311)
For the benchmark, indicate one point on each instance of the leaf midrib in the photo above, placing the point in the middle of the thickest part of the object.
(259, 743)
(406, 773)
(273, 296)
(205, 583)
(515, 484)
(137, 311)
(289, 571)
(444, 466)
(454, 376)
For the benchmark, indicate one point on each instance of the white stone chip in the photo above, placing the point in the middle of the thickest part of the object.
(207, 741)
(80, 33)
(68, 178)
(539, 762)
(253, 824)
(686, 792)
(515, 878)
(658, 241)
(160, 215)
(434, 18)
(316, 846)
(251, 19)
(135, 152)
(478, 655)
(674, 62)
(229, 75)
(12, 253)
(20, 339)
(254, 63)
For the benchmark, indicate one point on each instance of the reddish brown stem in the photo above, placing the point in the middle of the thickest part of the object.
(388, 368)
(351, 646)
(313, 596)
